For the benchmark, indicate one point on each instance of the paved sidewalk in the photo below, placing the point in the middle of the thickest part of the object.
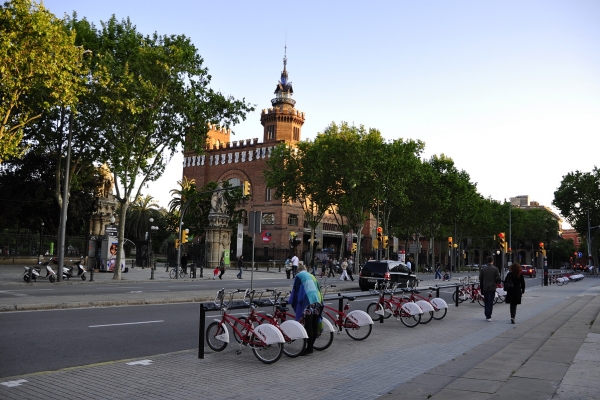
(553, 354)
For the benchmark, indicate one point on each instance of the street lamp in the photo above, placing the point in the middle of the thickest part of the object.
(150, 249)
(41, 238)
(65, 199)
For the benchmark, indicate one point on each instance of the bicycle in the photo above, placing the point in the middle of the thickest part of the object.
(357, 323)
(266, 341)
(172, 273)
(407, 312)
(293, 332)
(439, 308)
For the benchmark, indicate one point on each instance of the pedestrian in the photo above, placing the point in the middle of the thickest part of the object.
(350, 269)
(216, 272)
(408, 264)
(307, 301)
(514, 285)
(344, 276)
(324, 267)
(330, 268)
(313, 265)
(240, 266)
(184, 263)
(438, 271)
(221, 267)
(288, 267)
(295, 262)
(489, 277)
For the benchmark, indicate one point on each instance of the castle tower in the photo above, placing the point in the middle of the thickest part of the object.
(282, 122)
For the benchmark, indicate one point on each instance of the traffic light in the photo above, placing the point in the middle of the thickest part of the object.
(176, 243)
(246, 188)
(184, 235)
(542, 249)
(385, 242)
(450, 242)
(375, 244)
(502, 241)
(354, 247)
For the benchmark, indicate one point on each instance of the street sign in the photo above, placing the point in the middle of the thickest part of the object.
(266, 236)
(579, 254)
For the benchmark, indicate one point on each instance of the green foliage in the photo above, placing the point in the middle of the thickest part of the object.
(26, 195)
(40, 68)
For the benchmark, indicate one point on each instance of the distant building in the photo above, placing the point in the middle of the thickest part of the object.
(524, 203)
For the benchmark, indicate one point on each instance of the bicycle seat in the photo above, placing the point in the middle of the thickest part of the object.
(351, 298)
(416, 291)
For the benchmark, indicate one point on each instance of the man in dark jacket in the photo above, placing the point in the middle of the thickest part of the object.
(489, 276)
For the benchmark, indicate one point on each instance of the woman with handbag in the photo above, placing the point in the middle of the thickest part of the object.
(514, 286)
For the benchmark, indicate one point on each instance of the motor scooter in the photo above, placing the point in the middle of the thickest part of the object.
(34, 272)
(68, 271)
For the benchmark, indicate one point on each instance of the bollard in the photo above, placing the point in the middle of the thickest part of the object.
(193, 271)
(132, 264)
(92, 273)
(151, 274)
(201, 272)
(201, 333)
(456, 302)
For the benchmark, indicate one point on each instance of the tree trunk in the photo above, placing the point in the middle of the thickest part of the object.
(121, 236)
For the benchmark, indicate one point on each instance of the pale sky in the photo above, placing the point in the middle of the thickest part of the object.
(510, 90)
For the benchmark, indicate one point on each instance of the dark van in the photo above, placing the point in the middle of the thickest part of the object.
(385, 270)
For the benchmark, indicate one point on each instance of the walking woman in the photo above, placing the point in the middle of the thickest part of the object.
(514, 285)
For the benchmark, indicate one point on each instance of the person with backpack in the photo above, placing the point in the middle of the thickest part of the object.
(514, 286)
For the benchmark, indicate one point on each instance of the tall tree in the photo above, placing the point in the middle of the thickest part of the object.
(40, 68)
(157, 99)
(578, 198)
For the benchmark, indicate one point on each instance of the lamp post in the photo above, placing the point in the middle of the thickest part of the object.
(41, 238)
(150, 247)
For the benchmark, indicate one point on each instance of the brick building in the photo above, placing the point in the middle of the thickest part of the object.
(244, 160)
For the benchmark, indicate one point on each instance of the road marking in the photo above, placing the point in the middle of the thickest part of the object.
(135, 291)
(161, 290)
(120, 287)
(12, 293)
(125, 323)
(140, 362)
(13, 383)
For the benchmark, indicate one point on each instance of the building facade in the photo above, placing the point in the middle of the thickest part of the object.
(245, 160)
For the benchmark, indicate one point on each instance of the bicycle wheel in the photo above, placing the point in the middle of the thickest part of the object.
(215, 329)
(480, 300)
(426, 317)
(439, 313)
(324, 337)
(293, 348)
(172, 273)
(371, 308)
(241, 327)
(409, 320)
(357, 332)
(267, 353)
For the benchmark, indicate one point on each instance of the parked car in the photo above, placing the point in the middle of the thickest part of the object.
(385, 270)
(528, 270)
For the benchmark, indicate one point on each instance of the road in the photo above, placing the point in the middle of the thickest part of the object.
(33, 341)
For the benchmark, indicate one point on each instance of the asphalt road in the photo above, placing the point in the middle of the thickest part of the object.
(34, 341)
(8, 291)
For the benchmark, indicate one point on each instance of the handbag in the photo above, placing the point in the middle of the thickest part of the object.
(508, 283)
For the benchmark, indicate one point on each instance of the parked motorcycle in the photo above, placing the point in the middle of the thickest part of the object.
(34, 272)
(69, 271)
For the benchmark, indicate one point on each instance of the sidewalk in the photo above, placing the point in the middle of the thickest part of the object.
(551, 353)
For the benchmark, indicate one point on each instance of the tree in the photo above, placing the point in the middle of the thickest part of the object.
(157, 98)
(138, 216)
(40, 68)
(578, 198)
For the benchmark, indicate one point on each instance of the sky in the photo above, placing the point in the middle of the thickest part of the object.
(510, 90)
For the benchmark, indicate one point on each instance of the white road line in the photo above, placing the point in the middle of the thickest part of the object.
(161, 290)
(120, 287)
(125, 323)
(13, 383)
